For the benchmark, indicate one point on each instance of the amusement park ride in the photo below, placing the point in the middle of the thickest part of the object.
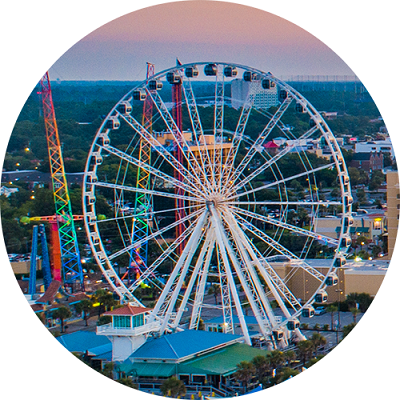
(65, 255)
(203, 188)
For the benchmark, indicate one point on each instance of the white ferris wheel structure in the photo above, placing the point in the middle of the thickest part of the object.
(216, 204)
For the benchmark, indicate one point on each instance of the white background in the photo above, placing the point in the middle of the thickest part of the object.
(35, 33)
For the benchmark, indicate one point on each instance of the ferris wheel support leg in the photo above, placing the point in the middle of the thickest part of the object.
(198, 300)
(187, 252)
(219, 236)
(199, 263)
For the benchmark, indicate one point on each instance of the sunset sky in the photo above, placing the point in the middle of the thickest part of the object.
(196, 31)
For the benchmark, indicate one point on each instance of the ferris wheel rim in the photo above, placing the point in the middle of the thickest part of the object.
(104, 260)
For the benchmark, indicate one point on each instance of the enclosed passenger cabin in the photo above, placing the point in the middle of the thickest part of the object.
(345, 242)
(90, 199)
(267, 84)
(113, 123)
(293, 324)
(348, 200)
(155, 84)
(139, 95)
(321, 296)
(278, 334)
(345, 178)
(124, 108)
(210, 70)
(308, 312)
(174, 78)
(300, 108)
(230, 72)
(348, 221)
(249, 76)
(283, 94)
(331, 279)
(191, 72)
(339, 262)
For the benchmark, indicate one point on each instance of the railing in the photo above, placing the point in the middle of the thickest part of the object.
(109, 329)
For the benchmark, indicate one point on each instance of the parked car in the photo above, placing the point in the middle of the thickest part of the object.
(320, 310)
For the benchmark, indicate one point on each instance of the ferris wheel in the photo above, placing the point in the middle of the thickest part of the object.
(229, 164)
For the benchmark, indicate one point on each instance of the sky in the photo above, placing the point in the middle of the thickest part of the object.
(196, 31)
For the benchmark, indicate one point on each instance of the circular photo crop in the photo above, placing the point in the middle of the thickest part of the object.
(199, 199)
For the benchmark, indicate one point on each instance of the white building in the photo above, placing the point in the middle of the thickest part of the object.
(265, 98)
(384, 146)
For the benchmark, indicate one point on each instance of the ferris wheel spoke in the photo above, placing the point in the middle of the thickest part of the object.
(272, 184)
(160, 149)
(238, 134)
(274, 159)
(169, 295)
(147, 191)
(222, 242)
(257, 146)
(155, 234)
(277, 287)
(146, 215)
(248, 275)
(205, 249)
(187, 187)
(199, 295)
(198, 133)
(219, 125)
(280, 249)
(168, 253)
(179, 141)
(293, 228)
(269, 274)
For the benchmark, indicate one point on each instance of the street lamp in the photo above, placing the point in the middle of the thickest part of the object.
(338, 324)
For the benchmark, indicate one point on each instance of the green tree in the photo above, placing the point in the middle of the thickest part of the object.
(62, 314)
(347, 329)
(244, 373)
(305, 350)
(262, 367)
(355, 311)
(317, 340)
(215, 290)
(84, 307)
(105, 300)
(173, 387)
(127, 382)
(331, 309)
(108, 370)
(286, 373)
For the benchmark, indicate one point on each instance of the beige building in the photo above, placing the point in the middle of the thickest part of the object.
(367, 225)
(393, 207)
(354, 277)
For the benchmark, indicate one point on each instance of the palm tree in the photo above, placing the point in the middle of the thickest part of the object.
(355, 312)
(331, 309)
(286, 373)
(104, 298)
(108, 370)
(84, 307)
(318, 340)
(290, 356)
(276, 358)
(305, 350)
(214, 289)
(173, 387)
(62, 314)
(127, 382)
(262, 367)
(244, 373)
